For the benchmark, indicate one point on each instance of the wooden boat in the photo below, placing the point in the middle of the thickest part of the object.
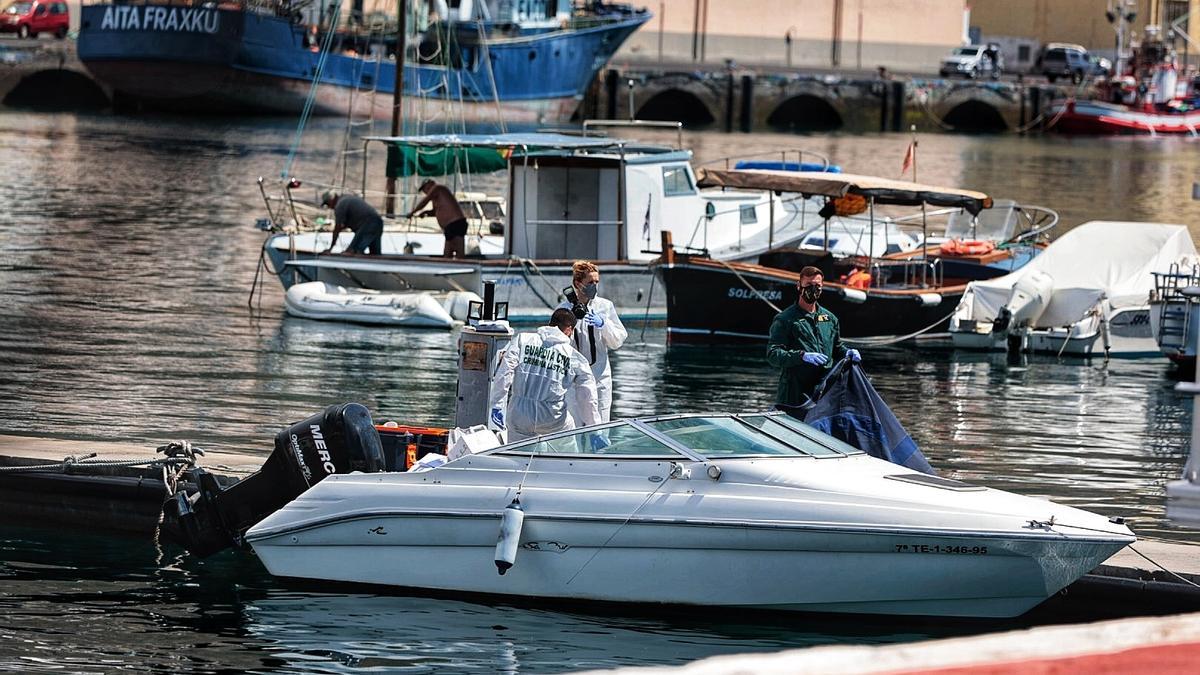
(712, 301)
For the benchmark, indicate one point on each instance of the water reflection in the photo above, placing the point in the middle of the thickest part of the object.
(126, 256)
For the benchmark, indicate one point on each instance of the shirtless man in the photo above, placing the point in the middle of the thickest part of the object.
(449, 215)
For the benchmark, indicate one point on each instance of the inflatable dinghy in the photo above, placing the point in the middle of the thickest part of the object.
(416, 309)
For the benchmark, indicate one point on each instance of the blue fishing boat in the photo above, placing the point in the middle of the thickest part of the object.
(521, 62)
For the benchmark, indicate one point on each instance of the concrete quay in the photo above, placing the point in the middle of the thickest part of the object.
(760, 98)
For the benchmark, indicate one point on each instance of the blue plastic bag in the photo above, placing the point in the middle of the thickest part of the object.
(848, 408)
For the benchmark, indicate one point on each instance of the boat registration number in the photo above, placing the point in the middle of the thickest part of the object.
(937, 548)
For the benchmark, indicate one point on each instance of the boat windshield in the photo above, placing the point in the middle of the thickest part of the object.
(725, 437)
(617, 440)
(798, 434)
(998, 223)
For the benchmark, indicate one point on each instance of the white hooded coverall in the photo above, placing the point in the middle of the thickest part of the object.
(548, 385)
(611, 336)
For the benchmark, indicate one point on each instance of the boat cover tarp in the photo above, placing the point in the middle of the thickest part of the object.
(449, 154)
(849, 409)
(1099, 259)
(816, 183)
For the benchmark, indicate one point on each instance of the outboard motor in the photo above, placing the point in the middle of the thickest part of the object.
(339, 440)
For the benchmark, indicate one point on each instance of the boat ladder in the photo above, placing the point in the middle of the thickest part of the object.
(360, 109)
(1174, 320)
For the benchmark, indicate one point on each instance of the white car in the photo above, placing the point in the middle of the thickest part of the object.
(972, 61)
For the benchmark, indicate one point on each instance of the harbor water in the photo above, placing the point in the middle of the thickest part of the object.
(127, 254)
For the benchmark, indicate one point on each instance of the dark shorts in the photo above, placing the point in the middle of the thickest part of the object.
(456, 229)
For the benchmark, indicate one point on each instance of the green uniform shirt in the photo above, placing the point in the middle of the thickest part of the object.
(793, 332)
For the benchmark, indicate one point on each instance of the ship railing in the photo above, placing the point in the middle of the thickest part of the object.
(907, 273)
(590, 126)
(800, 154)
(1170, 284)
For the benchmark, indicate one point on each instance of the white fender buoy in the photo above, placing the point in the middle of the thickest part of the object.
(510, 535)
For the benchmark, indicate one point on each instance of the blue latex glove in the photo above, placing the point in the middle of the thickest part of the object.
(594, 319)
(815, 358)
(854, 356)
(598, 442)
(498, 418)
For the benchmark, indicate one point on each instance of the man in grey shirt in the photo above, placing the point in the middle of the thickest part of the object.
(353, 213)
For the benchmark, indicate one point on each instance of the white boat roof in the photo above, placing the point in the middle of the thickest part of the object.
(1098, 259)
(820, 183)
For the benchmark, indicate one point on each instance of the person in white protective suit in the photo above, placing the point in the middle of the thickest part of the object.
(600, 329)
(547, 384)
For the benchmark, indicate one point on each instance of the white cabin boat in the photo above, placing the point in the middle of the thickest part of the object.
(755, 511)
(569, 197)
(1087, 294)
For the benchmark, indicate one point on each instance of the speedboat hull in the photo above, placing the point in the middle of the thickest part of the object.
(1128, 334)
(767, 535)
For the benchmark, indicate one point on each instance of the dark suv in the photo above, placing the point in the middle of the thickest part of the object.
(1062, 60)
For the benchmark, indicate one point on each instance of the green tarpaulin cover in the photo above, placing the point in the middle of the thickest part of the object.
(404, 161)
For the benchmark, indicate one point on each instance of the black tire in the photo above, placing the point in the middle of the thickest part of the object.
(1076, 76)
(23, 32)
(61, 32)
(1051, 77)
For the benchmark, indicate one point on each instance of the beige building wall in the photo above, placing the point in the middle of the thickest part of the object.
(1077, 21)
(899, 34)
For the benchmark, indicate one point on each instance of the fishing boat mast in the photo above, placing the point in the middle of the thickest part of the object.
(397, 97)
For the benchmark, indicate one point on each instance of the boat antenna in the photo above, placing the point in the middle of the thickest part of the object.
(312, 90)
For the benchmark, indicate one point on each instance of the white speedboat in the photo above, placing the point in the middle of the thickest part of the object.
(1087, 293)
(606, 200)
(415, 309)
(715, 510)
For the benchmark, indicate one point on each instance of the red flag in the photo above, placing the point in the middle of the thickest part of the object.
(908, 159)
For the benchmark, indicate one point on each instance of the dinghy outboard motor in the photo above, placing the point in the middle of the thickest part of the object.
(339, 440)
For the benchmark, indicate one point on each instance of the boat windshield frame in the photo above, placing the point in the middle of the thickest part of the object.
(834, 449)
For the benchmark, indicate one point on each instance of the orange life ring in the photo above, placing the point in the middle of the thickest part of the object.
(968, 247)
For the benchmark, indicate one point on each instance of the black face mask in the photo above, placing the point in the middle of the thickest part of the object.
(810, 293)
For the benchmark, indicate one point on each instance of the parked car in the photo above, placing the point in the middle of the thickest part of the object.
(972, 61)
(1064, 60)
(27, 18)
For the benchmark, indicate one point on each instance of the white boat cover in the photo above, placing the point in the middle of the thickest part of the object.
(1099, 259)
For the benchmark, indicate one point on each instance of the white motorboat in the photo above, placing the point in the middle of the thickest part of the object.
(602, 199)
(414, 309)
(1087, 293)
(753, 511)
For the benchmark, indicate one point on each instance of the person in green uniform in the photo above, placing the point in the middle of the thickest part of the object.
(804, 344)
